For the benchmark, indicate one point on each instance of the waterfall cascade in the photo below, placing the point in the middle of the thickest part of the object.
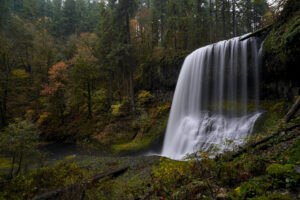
(216, 98)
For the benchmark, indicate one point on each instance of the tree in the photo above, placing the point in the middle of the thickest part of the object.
(6, 64)
(4, 13)
(84, 71)
(18, 139)
(126, 10)
(159, 12)
(70, 17)
(30, 9)
(56, 88)
(57, 25)
(106, 34)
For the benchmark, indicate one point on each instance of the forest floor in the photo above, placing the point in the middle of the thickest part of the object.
(266, 171)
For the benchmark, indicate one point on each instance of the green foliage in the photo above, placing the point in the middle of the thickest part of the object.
(101, 102)
(142, 123)
(42, 180)
(293, 154)
(5, 163)
(271, 120)
(144, 98)
(171, 175)
(255, 187)
(19, 137)
(115, 110)
(283, 175)
(255, 165)
(121, 109)
(149, 128)
(281, 48)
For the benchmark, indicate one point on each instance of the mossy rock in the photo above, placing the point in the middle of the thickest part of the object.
(281, 52)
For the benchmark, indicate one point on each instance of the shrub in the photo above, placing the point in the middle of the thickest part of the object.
(144, 98)
(115, 110)
(282, 175)
(250, 189)
(100, 101)
(142, 123)
(171, 175)
(255, 166)
(120, 109)
(42, 118)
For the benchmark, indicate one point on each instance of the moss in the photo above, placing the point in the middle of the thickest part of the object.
(144, 139)
(271, 120)
(281, 49)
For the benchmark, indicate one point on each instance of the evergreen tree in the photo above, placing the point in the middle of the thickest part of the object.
(70, 17)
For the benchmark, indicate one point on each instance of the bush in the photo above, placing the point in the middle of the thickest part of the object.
(42, 180)
(100, 101)
(142, 123)
(42, 118)
(282, 175)
(120, 109)
(144, 98)
(171, 175)
(255, 166)
(250, 189)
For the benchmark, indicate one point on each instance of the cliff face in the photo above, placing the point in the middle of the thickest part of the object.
(281, 63)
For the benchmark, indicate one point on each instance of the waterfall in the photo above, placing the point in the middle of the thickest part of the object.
(211, 104)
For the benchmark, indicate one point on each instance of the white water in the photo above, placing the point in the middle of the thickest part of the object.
(210, 102)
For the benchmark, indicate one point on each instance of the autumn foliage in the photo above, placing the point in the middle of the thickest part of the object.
(57, 76)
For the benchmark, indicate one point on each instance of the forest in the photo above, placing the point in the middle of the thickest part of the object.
(99, 99)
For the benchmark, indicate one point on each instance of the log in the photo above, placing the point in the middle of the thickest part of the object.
(263, 30)
(293, 110)
(262, 141)
(56, 193)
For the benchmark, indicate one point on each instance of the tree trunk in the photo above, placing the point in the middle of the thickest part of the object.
(233, 18)
(131, 87)
(210, 22)
(20, 164)
(2, 114)
(248, 15)
(89, 100)
(216, 21)
(128, 29)
(293, 110)
(251, 146)
(3, 104)
(223, 19)
(110, 88)
(119, 90)
(161, 23)
(12, 165)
